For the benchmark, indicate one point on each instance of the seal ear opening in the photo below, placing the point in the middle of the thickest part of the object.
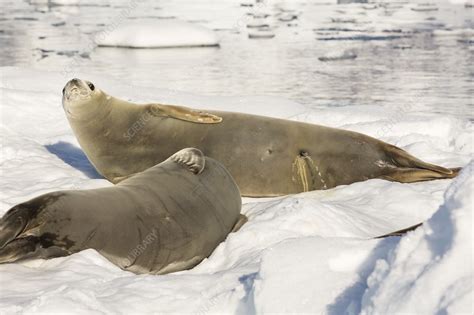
(191, 158)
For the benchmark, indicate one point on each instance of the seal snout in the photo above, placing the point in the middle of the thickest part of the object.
(73, 84)
(75, 89)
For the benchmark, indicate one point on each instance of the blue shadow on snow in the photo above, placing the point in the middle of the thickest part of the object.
(73, 156)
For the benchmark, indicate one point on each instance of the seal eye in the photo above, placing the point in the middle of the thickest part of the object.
(64, 89)
(91, 86)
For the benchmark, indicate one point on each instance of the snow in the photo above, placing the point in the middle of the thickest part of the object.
(429, 271)
(308, 253)
(332, 271)
(437, 258)
(158, 34)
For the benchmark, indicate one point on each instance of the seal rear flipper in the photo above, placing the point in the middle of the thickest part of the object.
(18, 249)
(412, 175)
(183, 113)
(191, 158)
(29, 247)
(12, 224)
(406, 160)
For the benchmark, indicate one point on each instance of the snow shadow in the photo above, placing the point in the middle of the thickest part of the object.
(247, 303)
(73, 156)
(349, 301)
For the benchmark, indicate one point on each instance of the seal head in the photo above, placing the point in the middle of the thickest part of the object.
(81, 98)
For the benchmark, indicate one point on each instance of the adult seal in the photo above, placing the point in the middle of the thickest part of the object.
(167, 218)
(266, 156)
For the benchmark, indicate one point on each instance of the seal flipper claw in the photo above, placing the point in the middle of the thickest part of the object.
(191, 158)
(183, 113)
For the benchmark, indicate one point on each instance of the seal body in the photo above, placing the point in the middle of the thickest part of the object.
(266, 156)
(165, 219)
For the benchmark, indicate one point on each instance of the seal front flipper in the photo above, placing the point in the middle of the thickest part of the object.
(183, 113)
(191, 158)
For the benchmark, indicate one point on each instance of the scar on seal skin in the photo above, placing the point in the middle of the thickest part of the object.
(307, 173)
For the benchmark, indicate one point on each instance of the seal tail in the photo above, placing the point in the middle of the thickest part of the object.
(410, 169)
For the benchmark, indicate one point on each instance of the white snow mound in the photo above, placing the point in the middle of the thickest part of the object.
(430, 271)
(158, 34)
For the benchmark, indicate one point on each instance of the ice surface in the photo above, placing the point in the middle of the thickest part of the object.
(309, 252)
(158, 34)
(346, 54)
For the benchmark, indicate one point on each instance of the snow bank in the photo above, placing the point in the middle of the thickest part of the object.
(158, 34)
(316, 275)
(431, 270)
(309, 252)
